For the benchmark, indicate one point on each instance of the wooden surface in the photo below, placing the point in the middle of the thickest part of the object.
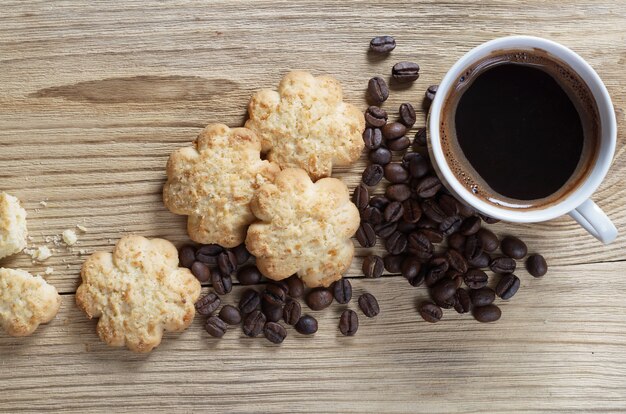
(95, 95)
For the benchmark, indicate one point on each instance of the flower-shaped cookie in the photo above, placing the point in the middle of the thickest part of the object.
(25, 302)
(214, 181)
(137, 292)
(305, 228)
(306, 124)
(13, 230)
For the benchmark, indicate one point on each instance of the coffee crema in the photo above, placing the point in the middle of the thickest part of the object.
(520, 129)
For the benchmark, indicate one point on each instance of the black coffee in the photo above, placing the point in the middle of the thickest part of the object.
(520, 129)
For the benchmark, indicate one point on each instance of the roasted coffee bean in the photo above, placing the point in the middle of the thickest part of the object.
(483, 296)
(457, 241)
(431, 91)
(306, 325)
(375, 117)
(221, 283)
(206, 259)
(430, 312)
(210, 249)
(404, 227)
(412, 211)
(432, 210)
(418, 167)
(292, 311)
(481, 261)
(470, 226)
(419, 242)
(250, 300)
(379, 202)
(365, 235)
(411, 267)
(201, 271)
(274, 295)
(473, 247)
(372, 175)
(230, 315)
(475, 279)
(437, 268)
(342, 289)
(488, 220)
(465, 210)
(369, 305)
(513, 247)
(407, 157)
(382, 44)
(420, 278)
(456, 277)
(241, 253)
(448, 204)
(456, 261)
(187, 256)
(372, 215)
(426, 222)
(434, 235)
(398, 144)
(396, 243)
(398, 192)
(405, 72)
(384, 230)
(420, 138)
(536, 265)
(373, 267)
(348, 322)
(393, 262)
(407, 114)
(489, 313)
(227, 262)
(427, 187)
(442, 290)
(372, 138)
(272, 313)
(380, 156)
(502, 265)
(274, 332)
(215, 327)
(396, 173)
(295, 285)
(393, 130)
(249, 275)
(507, 286)
(377, 90)
(450, 225)
(319, 298)
(463, 303)
(282, 284)
(488, 239)
(361, 196)
(208, 304)
(253, 323)
(393, 212)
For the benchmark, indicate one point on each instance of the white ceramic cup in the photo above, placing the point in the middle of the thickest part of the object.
(577, 203)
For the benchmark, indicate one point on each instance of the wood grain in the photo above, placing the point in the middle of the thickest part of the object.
(94, 96)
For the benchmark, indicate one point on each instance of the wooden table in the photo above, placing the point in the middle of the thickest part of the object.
(94, 96)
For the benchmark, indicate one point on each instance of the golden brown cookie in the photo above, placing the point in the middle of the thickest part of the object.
(306, 124)
(137, 292)
(304, 228)
(214, 181)
(13, 230)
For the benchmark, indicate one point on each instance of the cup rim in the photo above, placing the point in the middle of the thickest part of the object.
(608, 128)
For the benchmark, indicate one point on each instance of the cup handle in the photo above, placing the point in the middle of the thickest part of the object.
(593, 219)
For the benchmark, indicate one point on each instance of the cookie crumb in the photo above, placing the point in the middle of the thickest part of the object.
(49, 270)
(81, 228)
(69, 237)
(43, 203)
(40, 254)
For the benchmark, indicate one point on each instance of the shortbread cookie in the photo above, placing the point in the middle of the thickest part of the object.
(13, 230)
(306, 124)
(25, 302)
(213, 182)
(137, 292)
(305, 228)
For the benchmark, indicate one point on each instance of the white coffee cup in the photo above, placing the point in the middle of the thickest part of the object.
(577, 203)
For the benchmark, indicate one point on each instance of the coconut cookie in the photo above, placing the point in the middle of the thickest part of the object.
(305, 228)
(214, 181)
(305, 124)
(13, 230)
(26, 301)
(137, 292)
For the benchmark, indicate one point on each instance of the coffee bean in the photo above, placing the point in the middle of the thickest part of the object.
(420, 138)
(210, 249)
(411, 267)
(393, 262)
(372, 138)
(431, 91)
(457, 241)
(419, 243)
(241, 253)
(430, 312)
(221, 283)
(488, 239)
(319, 298)
(393, 130)
(536, 265)
(253, 323)
(407, 157)
(443, 290)
(398, 192)
(215, 327)
(483, 296)
(375, 117)
(448, 205)
(488, 220)
(384, 230)
(393, 212)
(437, 268)
(372, 215)
(463, 303)
(432, 210)
(396, 173)
(450, 225)
(208, 304)
(382, 44)
(475, 279)
(418, 167)
(427, 187)
(377, 90)
(513, 247)
(405, 72)
(407, 114)
(274, 295)
(456, 277)
(292, 311)
(365, 235)
(201, 271)
(398, 144)
(282, 284)
(249, 301)
(348, 322)
(403, 226)
(249, 275)
(507, 286)
(372, 175)
(489, 313)
(456, 261)
(187, 256)
(473, 247)
(380, 156)
(470, 226)
(502, 265)
(434, 235)
(379, 202)
(306, 325)
(342, 289)
(227, 262)
(465, 210)
(372, 267)
(206, 259)
(419, 279)
(272, 313)
(396, 243)
(482, 261)
(369, 305)
(361, 197)
(412, 211)
(274, 332)
(426, 222)
(230, 315)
